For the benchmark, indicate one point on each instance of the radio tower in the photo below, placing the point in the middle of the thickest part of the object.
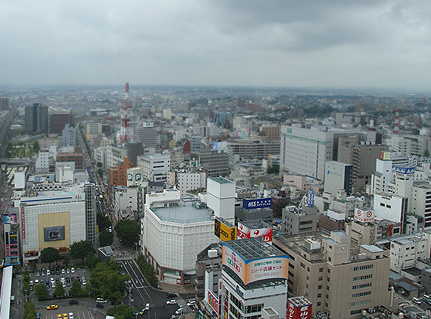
(126, 130)
(397, 122)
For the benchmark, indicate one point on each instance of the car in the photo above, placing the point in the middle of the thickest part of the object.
(179, 311)
(191, 303)
(73, 302)
(70, 315)
(147, 306)
(101, 300)
(52, 307)
(171, 302)
(171, 295)
(59, 316)
(67, 271)
(63, 271)
(99, 305)
(48, 272)
(72, 270)
(416, 300)
(142, 311)
(37, 315)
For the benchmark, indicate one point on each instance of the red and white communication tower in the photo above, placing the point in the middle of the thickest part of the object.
(397, 122)
(126, 130)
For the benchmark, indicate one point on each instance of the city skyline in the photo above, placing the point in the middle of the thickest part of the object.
(241, 43)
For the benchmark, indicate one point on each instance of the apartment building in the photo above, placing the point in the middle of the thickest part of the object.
(337, 277)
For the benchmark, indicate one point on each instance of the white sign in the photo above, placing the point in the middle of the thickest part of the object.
(364, 216)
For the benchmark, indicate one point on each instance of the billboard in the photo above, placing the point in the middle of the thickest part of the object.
(256, 203)
(10, 218)
(257, 269)
(245, 232)
(53, 233)
(23, 223)
(364, 215)
(298, 310)
(404, 170)
(310, 198)
(213, 301)
(223, 231)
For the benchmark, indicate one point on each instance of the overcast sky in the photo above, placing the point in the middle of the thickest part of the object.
(330, 43)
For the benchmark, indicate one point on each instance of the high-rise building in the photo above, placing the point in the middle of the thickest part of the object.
(146, 134)
(68, 136)
(215, 163)
(4, 103)
(338, 176)
(36, 118)
(57, 122)
(90, 212)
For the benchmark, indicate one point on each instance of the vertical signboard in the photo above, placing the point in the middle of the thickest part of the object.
(310, 198)
(23, 223)
(298, 308)
(223, 231)
(213, 301)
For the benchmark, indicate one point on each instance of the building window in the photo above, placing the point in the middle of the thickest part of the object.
(319, 287)
(308, 277)
(302, 265)
(320, 278)
(320, 269)
(357, 268)
(319, 295)
(362, 286)
(361, 294)
(362, 277)
(308, 269)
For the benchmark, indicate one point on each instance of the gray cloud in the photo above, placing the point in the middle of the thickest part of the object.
(277, 43)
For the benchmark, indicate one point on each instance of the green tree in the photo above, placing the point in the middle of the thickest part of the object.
(59, 290)
(427, 153)
(66, 261)
(76, 289)
(99, 165)
(26, 289)
(107, 282)
(33, 266)
(103, 221)
(128, 231)
(49, 255)
(100, 172)
(122, 312)
(105, 238)
(41, 292)
(91, 261)
(29, 310)
(147, 270)
(273, 169)
(81, 249)
(36, 146)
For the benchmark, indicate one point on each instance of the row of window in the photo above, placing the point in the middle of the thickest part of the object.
(362, 286)
(363, 277)
(364, 267)
(361, 294)
(360, 303)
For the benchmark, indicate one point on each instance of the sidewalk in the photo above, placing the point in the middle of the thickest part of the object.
(176, 288)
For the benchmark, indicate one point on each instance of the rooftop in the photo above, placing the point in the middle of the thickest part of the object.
(185, 213)
(372, 248)
(221, 180)
(253, 248)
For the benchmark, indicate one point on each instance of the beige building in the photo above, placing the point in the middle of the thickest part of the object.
(338, 278)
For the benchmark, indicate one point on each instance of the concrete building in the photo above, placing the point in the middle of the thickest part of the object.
(261, 283)
(391, 207)
(51, 220)
(115, 154)
(77, 158)
(208, 272)
(254, 148)
(174, 232)
(187, 181)
(420, 202)
(409, 145)
(295, 221)
(338, 176)
(147, 135)
(155, 167)
(406, 250)
(305, 151)
(90, 213)
(57, 122)
(215, 163)
(338, 278)
(100, 155)
(221, 198)
(68, 136)
(363, 159)
(118, 175)
(92, 129)
(272, 132)
(36, 118)
(42, 162)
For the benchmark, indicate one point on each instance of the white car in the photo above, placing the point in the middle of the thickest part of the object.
(70, 315)
(147, 306)
(179, 311)
(416, 300)
(171, 302)
(72, 270)
(101, 300)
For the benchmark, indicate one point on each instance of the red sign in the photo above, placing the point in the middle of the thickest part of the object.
(213, 301)
(23, 223)
(298, 312)
(245, 232)
(364, 215)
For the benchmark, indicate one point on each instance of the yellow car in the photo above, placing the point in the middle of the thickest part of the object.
(52, 307)
(65, 316)
(60, 316)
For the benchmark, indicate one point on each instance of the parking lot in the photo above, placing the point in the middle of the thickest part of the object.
(50, 277)
(79, 312)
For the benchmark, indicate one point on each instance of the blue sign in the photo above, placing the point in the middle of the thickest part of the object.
(310, 198)
(215, 146)
(256, 203)
(404, 170)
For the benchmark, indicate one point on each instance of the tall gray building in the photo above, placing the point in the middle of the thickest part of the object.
(216, 164)
(68, 136)
(90, 212)
(36, 118)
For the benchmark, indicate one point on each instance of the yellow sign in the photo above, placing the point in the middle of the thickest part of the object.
(223, 231)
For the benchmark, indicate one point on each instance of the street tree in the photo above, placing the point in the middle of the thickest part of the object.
(128, 231)
(76, 289)
(122, 312)
(29, 310)
(66, 261)
(105, 238)
(41, 292)
(103, 221)
(81, 249)
(107, 282)
(49, 255)
(59, 290)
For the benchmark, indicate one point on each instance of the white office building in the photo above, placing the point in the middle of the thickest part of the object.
(174, 232)
(155, 167)
(405, 251)
(52, 219)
